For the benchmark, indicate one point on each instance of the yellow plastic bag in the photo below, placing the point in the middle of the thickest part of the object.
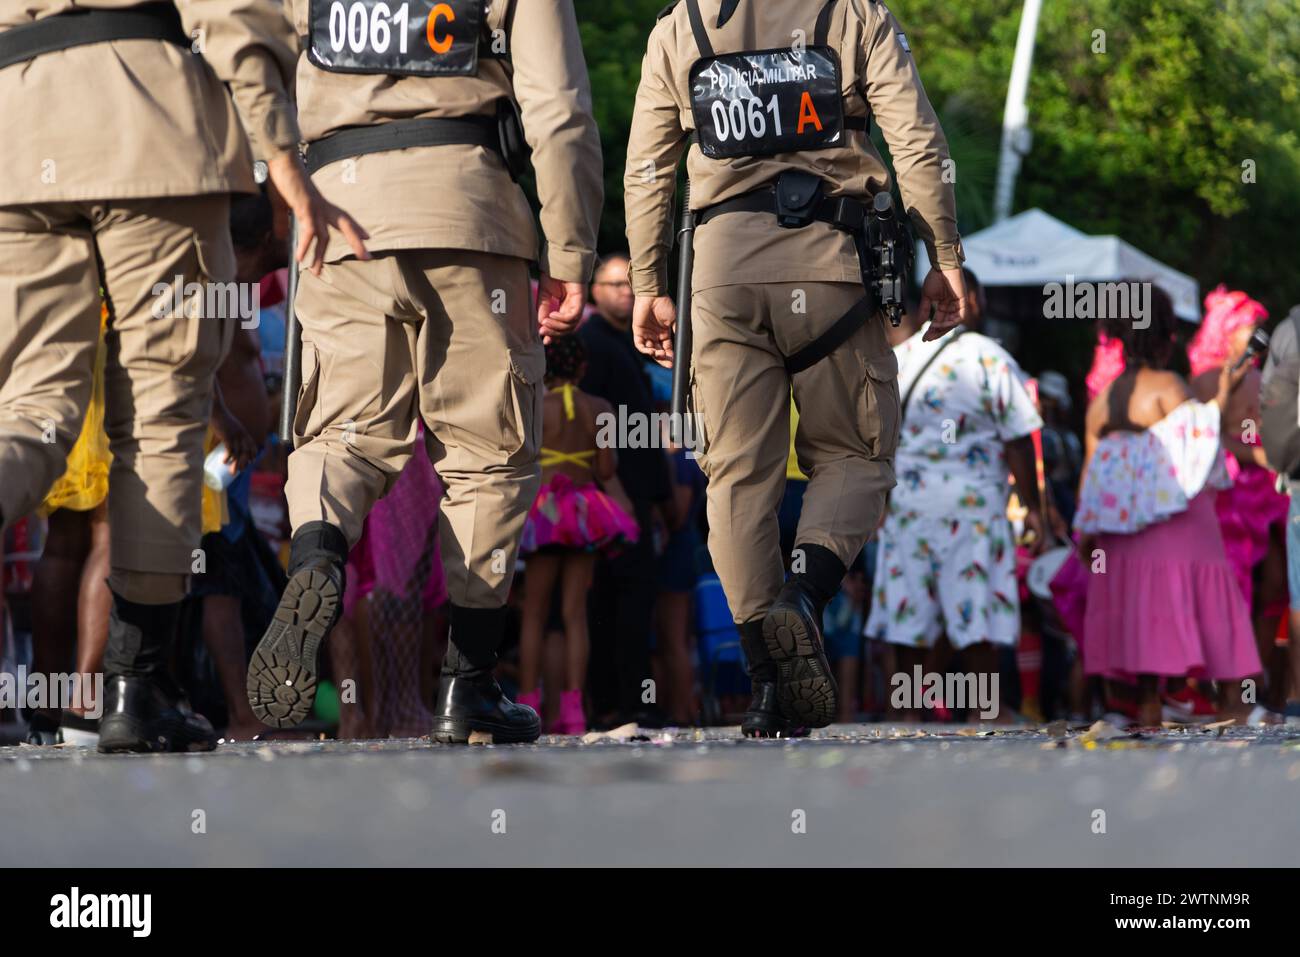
(85, 483)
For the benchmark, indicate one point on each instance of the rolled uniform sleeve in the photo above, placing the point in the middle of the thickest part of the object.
(251, 46)
(654, 147)
(550, 82)
(916, 141)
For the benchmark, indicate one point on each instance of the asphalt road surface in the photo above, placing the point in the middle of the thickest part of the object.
(866, 795)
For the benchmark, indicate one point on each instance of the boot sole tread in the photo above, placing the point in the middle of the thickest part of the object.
(806, 692)
(281, 682)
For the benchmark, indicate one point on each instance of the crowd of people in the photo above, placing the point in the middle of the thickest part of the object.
(1153, 510)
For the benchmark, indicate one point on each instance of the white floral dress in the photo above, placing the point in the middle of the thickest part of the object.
(947, 557)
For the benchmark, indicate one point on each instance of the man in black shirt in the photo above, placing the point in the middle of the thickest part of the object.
(621, 605)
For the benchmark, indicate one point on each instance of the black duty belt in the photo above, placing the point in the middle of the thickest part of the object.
(405, 134)
(154, 21)
(841, 212)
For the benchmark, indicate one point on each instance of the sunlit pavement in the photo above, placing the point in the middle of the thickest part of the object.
(850, 795)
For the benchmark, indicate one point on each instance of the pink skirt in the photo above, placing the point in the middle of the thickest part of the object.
(580, 517)
(401, 531)
(1247, 512)
(1168, 603)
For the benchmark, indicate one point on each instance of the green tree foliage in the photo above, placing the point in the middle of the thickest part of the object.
(614, 40)
(1149, 118)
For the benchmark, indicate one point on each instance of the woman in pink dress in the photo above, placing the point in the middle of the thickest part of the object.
(1162, 600)
(393, 630)
(581, 511)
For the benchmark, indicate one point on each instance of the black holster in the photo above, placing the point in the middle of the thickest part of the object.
(510, 128)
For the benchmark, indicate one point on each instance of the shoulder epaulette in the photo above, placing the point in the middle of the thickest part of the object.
(668, 8)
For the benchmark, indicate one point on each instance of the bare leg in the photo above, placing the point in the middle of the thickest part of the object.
(94, 604)
(344, 649)
(906, 660)
(982, 659)
(578, 570)
(55, 582)
(554, 665)
(1231, 699)
(1076, 694)
(939, 658)
(673, 611)
(539, 582)
(367, 692)
(1270, 595)
(846, 675)
(1148, 701)
(223, 633)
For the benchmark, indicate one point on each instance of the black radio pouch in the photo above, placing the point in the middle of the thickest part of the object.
(510, 128)
(798, 197)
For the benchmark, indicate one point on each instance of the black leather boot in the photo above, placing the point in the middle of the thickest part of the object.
(792, 629)
(763, 719)
(143, 709)
(148, 714)
(282, 673)
(469, 698)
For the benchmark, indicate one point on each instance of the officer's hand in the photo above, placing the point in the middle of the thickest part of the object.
(945, 290)
(315, 214)
(653, 321)
(559, 306)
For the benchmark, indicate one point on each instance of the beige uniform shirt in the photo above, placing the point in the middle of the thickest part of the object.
(461, 197)
(876, 70)
(144, 118)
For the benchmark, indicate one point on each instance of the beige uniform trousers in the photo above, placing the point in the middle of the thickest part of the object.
(54, 257)
(845, 442)
(441, 335)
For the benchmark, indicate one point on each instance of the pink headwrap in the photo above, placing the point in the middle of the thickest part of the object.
(1225, 312)
(1107, 364)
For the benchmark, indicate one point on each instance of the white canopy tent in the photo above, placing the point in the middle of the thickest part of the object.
(1033, 248)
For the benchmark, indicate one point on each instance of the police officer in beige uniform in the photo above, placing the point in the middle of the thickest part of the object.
(120, 147)
(779, 95)
(411, 110)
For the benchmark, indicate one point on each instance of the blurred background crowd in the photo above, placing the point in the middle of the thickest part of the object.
(1032, 446)
(983, 564)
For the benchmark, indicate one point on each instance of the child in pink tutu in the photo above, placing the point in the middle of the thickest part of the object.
(581, 511)
(1162, 599)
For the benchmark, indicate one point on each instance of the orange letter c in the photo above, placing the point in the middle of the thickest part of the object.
(439, 10)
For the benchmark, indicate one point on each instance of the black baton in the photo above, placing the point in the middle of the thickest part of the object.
(682, 339)
(292, 344)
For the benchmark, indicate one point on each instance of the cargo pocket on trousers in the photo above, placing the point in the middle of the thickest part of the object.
(521, 412)
(307, 391)
(878, 412)
(697, 435)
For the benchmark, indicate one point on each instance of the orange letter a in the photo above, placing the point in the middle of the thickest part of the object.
(808, 113)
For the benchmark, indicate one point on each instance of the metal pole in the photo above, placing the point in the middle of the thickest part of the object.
(1015, 116)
